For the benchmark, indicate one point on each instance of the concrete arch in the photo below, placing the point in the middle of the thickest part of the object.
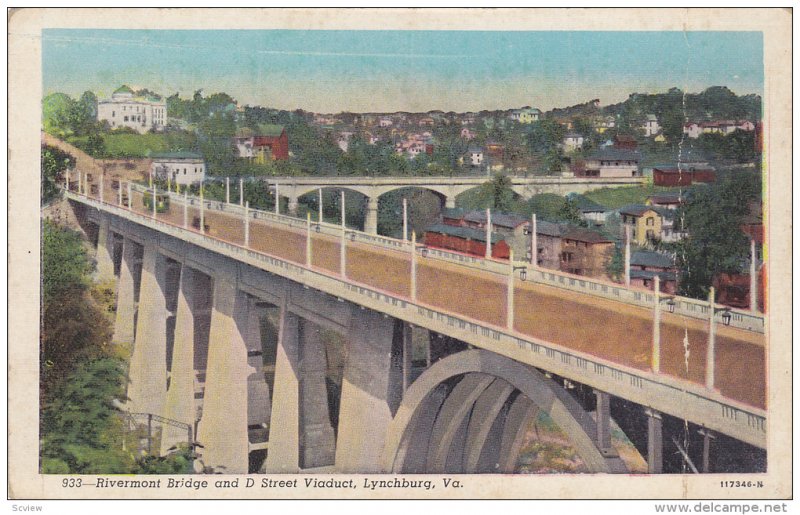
(300, 191)
(562, 408)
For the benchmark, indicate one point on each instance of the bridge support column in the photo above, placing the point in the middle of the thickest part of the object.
(450, 202)
(317, 438)
(180, 403)
(655, 442)
(223, 428)
(371, 220)
(284, 433)
(293, 205)
(603, 420)
(105, 251)
(148, 370)
(258, 395)
(371, 390)
(517, 421)
(126, 302)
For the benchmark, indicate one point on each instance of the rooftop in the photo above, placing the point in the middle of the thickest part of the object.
(615, 154)
(635, 209)
(584, 235)
(650, 258)
(500, 219)
(464, 232)
(181, 154)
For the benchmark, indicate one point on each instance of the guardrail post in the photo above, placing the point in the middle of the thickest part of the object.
(308, 239)
(710, 350)
(405, 220)
(534, 242)
(655, 362)
(510, 292)
(202, 210)
(413, 266)
(627, 263)
(488, 233)
(154, 201)
(246, 224)
(320, 205)
(753, 278)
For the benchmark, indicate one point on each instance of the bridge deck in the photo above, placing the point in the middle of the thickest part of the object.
(613, 331)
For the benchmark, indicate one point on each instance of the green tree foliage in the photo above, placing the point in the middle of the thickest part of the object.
(547, 206)
(715, 242)
(73, 326)
(82, 432)
(64, 262)
(495, 194)
(54, 163)
(615, 267)
(63, 116)
(569, 213)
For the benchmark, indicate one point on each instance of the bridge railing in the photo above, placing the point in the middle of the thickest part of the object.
(683, 306)
(679, 397)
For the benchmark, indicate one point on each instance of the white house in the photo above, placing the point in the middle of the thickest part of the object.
(138, 113)
(475, 156)
(572, 141)
(612, 162)
(183, 168)
(651, 126)
(385, 121)
(692, 130)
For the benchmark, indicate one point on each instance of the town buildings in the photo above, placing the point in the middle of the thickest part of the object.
(651, 126)
(647, 264)
(125, 109)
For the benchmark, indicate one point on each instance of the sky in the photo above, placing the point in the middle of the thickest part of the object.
(386, 71)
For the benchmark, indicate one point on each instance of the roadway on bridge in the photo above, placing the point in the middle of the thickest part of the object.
(614, 331)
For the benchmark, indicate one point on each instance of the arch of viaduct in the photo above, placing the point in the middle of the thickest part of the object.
(195, 320)
(447, 188)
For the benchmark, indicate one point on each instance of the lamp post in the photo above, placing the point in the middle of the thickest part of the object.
(119, 194)
(277, 200)
(753, 277)
(154, 200)
(130, 195)
(185, 208)
(655, 362)
(241, 191)
(712, 334)
(227, 190)
(343, 244)
(66, 180)
(523, 275)
(102, 176)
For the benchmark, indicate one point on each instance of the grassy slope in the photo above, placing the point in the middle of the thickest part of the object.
(614, 198)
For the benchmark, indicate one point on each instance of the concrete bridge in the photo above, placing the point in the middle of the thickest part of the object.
(447, 188)
(390, 357)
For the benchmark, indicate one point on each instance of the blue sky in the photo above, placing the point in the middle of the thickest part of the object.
(331, 71)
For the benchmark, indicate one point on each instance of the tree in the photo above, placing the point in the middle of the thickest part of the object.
(81, 430)
(715, 242)
(54, 163)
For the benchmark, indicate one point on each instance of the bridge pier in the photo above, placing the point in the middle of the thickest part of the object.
(105, 251)
(284, 434)
(293, 203)
(450, 202)
(371, 219)
(223, 428)
(258, 395)
(148, 369)
(655, 442)
(180, 403)
(124, 328)
(371, 390)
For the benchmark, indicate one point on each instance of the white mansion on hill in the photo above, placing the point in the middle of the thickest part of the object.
(126, 110)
